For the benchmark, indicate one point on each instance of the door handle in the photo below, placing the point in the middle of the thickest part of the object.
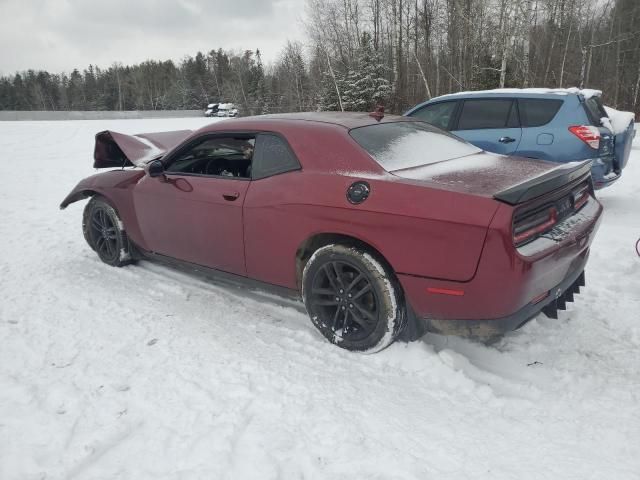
(507, 140)
(231, 196)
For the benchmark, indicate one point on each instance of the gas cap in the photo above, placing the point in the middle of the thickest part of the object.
(358, 192)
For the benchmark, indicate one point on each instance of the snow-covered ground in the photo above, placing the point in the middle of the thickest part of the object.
(147, 373)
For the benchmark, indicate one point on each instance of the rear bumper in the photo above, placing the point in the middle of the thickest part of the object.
(604, 174)
(510, 286)
(603, 181)
(482, 329)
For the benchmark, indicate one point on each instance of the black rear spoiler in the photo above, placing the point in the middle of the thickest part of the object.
(545, 183)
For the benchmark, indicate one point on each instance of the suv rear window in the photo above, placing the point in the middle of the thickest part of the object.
(535, 112)
(487, 113)
(595, 110)
(400, 145)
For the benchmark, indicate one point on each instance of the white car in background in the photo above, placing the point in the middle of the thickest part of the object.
(211, 110)
(227, 110)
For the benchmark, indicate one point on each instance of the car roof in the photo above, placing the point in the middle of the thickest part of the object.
(521, 93)
(542, 93)
(347, 120)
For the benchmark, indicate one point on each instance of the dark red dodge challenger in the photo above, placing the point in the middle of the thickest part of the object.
(386, 227)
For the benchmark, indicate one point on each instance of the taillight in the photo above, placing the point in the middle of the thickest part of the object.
(588, 134)
(580, 197)
(529, 227)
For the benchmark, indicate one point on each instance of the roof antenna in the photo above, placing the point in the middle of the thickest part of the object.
(378, 113)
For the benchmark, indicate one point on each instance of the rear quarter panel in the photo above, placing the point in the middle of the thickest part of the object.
(419, 230)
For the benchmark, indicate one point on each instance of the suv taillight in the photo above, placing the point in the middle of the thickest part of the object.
(588, 134)
(529, 227)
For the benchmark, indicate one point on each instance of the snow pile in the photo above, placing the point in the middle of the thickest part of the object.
(146, 373)
(617, 121)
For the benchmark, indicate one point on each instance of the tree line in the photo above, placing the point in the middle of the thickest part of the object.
(362, 53)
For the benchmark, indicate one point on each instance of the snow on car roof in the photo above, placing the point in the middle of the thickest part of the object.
(344, 119)
(585, 92)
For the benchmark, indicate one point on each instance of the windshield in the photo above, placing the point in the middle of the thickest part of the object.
(400, 145)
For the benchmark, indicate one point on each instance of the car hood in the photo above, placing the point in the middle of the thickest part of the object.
(492, 175)
(113, 149)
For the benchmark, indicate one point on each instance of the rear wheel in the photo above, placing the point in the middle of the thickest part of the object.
(104, 232)
(353, 298)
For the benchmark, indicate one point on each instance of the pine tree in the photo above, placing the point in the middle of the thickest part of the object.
(329, 96)
(372, 84)
(363, 87)
(256, 88)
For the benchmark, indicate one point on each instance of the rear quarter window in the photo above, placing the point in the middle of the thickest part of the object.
(536, 112)
(401, 145)
(272, 157)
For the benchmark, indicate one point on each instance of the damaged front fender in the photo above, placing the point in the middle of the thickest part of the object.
(114, 185)
(81, 191)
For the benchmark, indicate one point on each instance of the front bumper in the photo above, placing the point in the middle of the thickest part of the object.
(556, 299)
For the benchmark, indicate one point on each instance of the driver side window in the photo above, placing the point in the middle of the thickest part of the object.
(220, 156)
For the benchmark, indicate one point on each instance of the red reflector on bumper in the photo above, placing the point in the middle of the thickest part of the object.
(446, 291)
(539, 298)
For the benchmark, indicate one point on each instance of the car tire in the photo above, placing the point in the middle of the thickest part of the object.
(104, 232)
(353, 298)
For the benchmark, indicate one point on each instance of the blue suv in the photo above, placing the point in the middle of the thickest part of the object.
(561, 125)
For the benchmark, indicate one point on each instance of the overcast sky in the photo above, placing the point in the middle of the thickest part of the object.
(59, 35)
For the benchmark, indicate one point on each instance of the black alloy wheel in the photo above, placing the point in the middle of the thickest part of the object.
(104, 233)
(353, 298)
(347, 303)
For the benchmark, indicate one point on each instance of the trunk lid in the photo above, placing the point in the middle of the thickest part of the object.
(617, 130)
(511, 180)
(623, 144)
(622, 125)
(113, 149)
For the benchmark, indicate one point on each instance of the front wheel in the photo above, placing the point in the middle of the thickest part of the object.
(104, 232)
(353, 298)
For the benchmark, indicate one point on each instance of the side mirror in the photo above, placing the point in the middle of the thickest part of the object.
(155, 168)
